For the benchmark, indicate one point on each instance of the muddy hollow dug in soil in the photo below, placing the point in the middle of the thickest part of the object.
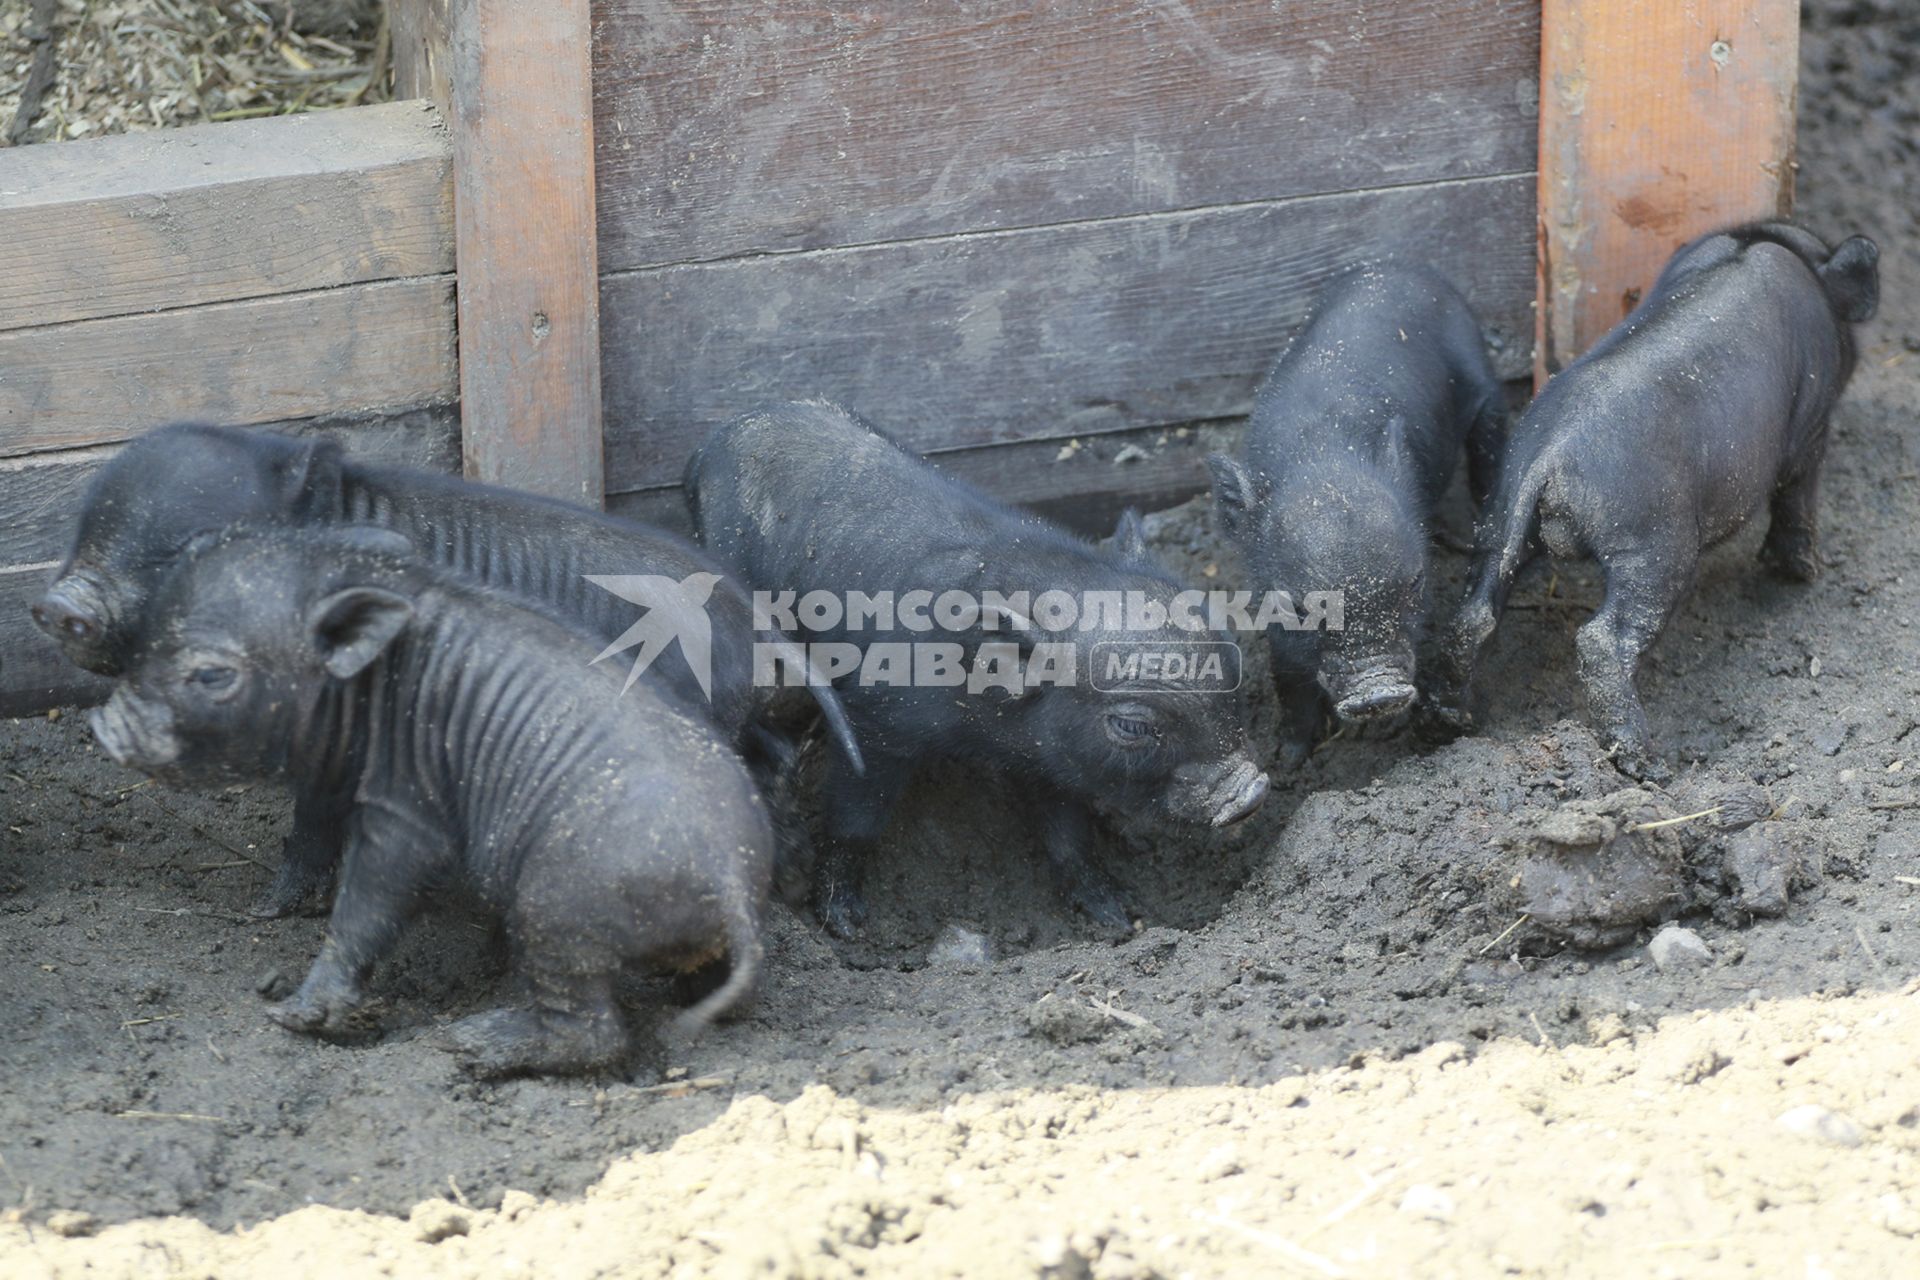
(1403, 1021)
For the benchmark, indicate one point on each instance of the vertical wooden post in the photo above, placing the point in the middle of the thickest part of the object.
(522, 115)
(419, 42)
(1659, 120)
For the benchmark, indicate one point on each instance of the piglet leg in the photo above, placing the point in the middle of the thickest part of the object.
(1295, 656)
(1790, 549)
(1300, 716)
(573, 1024)
(1067, 829)
(383, 878)
(307, 860)
(1486, 440)
(1643, 589)
(1446, 705)
(857, 810)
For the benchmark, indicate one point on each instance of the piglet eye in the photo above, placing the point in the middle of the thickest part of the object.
(1128, 729)
(213, 677)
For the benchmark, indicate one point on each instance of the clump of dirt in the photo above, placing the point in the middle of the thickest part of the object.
(1403, 1020)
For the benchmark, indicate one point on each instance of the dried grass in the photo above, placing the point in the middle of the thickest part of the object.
(127, 65)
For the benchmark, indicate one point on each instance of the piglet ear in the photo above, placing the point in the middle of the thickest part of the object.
(310, 467)
(1130, 537)
(1234, 492)
(351, 628)
(1852, 279)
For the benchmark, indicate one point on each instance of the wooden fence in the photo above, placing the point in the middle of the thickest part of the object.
(1041, 241)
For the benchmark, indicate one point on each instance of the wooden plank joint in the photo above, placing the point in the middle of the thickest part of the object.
(522, 98)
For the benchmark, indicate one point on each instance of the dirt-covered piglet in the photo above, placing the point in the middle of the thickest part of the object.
(1707, 403)
(478, 746)
(805, 498)
(172, 484)
(1354, 438)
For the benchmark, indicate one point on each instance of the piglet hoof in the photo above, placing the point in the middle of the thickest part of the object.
(513, 1042)
(500, 1042)
(843, 910)
(291, 892)
(1641, 764)
(1292, 755)
(1110, 916)
(1100, 901)
(338, 1016)
(1441, 721)
(1795, 563)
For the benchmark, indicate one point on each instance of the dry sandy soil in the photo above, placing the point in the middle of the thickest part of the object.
(1358, 1038)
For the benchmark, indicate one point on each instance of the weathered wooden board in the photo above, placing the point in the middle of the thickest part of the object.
(358, 349)
(1086, 482)
(179, 217)
(524, 220)
(1660, 120)
(1083, 482)
(735, 126)
(41, 493)
(1043, 333)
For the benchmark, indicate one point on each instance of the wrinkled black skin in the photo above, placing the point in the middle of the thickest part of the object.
(807, 497)
(177, 482)
(477, 747)
(1353, 440)
(1706, 404)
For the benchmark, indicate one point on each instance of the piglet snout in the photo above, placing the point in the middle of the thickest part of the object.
(1376, 701)
(1243, 792)
(1374, 692)
(136, 734)
(64, 612)
(77, 613)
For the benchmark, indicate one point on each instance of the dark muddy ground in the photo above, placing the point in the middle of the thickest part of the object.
(1369, 910)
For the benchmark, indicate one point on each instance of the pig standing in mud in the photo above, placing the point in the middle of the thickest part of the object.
(1353, 440)
(1708, 402)
(476, 745)
(804, 497)
(172, 484)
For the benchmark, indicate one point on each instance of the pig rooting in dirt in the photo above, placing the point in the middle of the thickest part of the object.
(806, 498)
(1354, 438)
(478, 746)
(1709, 402)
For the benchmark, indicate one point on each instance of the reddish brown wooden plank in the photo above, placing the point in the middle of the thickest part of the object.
(734, 126)
(1056, 331)
(179, 217)
(1659, 121)
(359, 349)
(529, 318)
